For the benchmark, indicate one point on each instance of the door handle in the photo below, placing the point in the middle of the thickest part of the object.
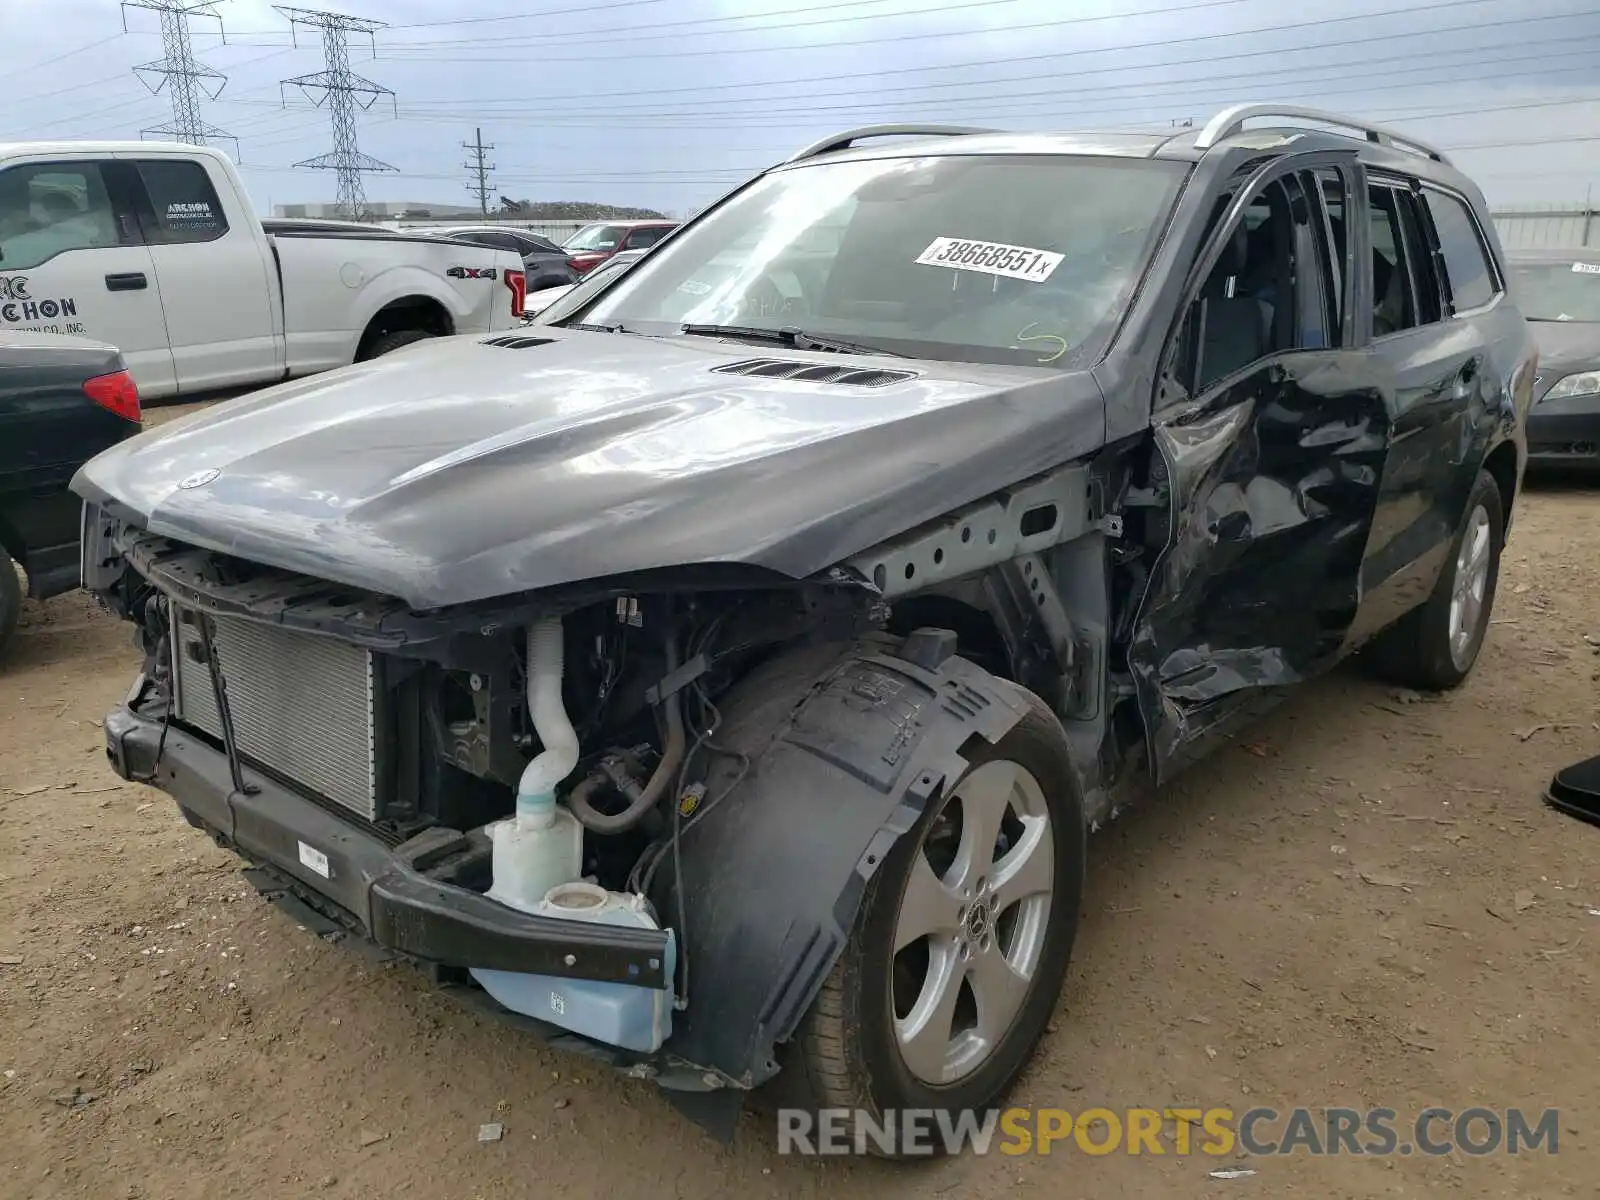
(130, 281)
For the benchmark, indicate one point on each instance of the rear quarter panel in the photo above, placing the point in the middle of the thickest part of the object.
(333, 287)
(48, 429)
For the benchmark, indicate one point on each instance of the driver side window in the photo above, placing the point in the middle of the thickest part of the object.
(1266, 294)
(49, 208)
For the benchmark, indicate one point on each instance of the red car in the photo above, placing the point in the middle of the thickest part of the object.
(593, 244)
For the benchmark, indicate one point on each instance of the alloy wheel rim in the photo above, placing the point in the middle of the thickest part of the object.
(973, 921)
(1469, 587)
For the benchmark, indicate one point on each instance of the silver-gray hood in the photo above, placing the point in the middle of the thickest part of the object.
(457, 470)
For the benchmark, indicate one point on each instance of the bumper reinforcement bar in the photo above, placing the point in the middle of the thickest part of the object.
(393, 895)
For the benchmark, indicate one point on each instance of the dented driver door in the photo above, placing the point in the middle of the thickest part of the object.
(1270, 433)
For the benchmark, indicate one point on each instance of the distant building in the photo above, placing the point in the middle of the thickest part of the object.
(383, 209)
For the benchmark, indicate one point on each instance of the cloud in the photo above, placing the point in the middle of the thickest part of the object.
(646, 102)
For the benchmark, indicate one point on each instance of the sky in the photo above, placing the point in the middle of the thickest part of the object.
(669, 103)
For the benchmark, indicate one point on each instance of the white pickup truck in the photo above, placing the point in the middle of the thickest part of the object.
(155, 248)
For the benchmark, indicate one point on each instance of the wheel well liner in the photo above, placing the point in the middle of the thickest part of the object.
(848, 744)
(408, 312)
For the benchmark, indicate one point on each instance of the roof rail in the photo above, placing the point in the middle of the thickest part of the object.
(1231, 120)
(843, 141)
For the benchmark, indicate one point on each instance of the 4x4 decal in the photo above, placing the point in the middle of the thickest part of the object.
(472, 273)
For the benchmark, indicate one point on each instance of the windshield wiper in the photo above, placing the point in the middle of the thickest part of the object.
(788, 336)
(595, 328)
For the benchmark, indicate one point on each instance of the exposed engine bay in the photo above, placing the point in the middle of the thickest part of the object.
(461, 727)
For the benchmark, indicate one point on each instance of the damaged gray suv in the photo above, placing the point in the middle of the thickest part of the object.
(723, 680)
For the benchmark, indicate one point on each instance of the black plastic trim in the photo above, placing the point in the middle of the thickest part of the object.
(418, 913)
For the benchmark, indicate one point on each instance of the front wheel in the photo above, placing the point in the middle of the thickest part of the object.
(1435, 646)
(958, 953)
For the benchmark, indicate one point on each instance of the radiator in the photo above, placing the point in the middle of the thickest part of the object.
(302, 705)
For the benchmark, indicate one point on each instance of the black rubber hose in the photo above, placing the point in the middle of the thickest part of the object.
(672, 750)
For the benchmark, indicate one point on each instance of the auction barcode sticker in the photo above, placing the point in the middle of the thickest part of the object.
(991, 258)
(1584, 268)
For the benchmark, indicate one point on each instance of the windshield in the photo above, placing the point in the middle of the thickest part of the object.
(1557, 291)
(580, 293)
(596, 237)
(979, 258)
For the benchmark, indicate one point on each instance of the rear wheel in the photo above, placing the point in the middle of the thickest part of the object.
(1435, 646)
(389, 342)
(10, 599)
(958, 953)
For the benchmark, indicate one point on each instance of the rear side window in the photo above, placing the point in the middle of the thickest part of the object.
(640, 238)
(1405, 291)
(185, 204)
(47, 209)
(496, 239)
(1466, 260)
(525, 245)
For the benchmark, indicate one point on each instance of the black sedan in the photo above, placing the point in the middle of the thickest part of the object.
(546, 264)
(1559, 291)
(62, 401)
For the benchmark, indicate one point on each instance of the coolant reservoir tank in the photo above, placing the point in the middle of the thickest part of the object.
(619, 1014)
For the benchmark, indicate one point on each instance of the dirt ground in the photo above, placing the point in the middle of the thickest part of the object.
(1363, 904)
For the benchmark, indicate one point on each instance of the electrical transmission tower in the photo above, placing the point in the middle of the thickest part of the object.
(344, 91)
(480, 166)
(185, 78)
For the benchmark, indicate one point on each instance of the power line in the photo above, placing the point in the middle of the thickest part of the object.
(654, 32)
(185, 78)
(989, 63)
(529, 16)
(699, 111)
(61, 57)
(1159, 43)
(1024, 102)
(584, 9)
(480, 166)
(344, 91)
(96, 110)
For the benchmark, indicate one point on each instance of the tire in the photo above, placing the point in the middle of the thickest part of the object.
(10, 599)
(848, 1053)
(1426, 649)
(390, 342)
